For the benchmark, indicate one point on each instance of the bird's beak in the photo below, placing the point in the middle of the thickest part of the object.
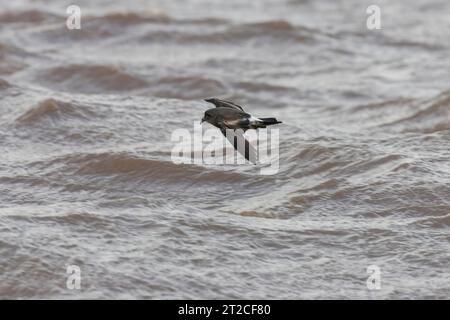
(209, 100)
(203, 120)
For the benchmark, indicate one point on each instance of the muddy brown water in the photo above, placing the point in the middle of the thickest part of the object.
(86, 176)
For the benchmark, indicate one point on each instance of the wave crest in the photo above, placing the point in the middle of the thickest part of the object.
(128, 17)
(125, 167)
(4, 84)
(189, 87)
(26, 16)
(52, 109)
(433, 116)
(90, 79)
(281, 30)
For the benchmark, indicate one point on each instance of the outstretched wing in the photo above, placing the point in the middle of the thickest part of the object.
(237, 139)
(226, 104)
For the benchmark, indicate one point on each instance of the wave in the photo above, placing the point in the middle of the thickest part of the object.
(434, 107)
(125, 166)
(7, 49)
(384, 104)
(387, 40)
(257, 87)
(27, 16)
(115, 23)
(128, 17)
(4, 84)
(278, 30)
(86, 33)
(52, 109)
(94, 221)
(316, 164)
(433, 116)
(269, 26)
(408, 44)
(374, 166)
(187, 87)
(162, 28)
(435, 222)
(151, 16)
(112, 163)
(90, 78)
(11, 66)
(10, 59)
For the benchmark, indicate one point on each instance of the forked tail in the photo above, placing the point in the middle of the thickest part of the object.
(269, 121)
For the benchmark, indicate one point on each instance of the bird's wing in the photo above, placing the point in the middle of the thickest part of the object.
(230, 104)
(237, 139)
(242, 123)
(227, 104)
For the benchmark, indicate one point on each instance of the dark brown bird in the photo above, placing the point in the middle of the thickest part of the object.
(228, 117)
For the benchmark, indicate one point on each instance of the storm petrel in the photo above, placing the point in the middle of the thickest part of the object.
(228, 117)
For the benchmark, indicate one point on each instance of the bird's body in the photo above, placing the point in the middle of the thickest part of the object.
(229, 116)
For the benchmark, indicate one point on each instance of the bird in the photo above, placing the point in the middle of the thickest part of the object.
(233, 121)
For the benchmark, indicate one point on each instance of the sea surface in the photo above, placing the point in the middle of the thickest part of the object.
(87, 177)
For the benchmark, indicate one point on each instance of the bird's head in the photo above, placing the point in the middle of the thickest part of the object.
(211, 100)
(206, 117)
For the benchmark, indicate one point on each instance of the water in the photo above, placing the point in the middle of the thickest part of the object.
(86, 176)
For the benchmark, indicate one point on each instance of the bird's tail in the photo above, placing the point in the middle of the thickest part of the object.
(269, 121)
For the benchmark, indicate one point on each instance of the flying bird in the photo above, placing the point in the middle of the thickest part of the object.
(228, 117)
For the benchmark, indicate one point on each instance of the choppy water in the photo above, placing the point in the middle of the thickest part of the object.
(86, 176)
